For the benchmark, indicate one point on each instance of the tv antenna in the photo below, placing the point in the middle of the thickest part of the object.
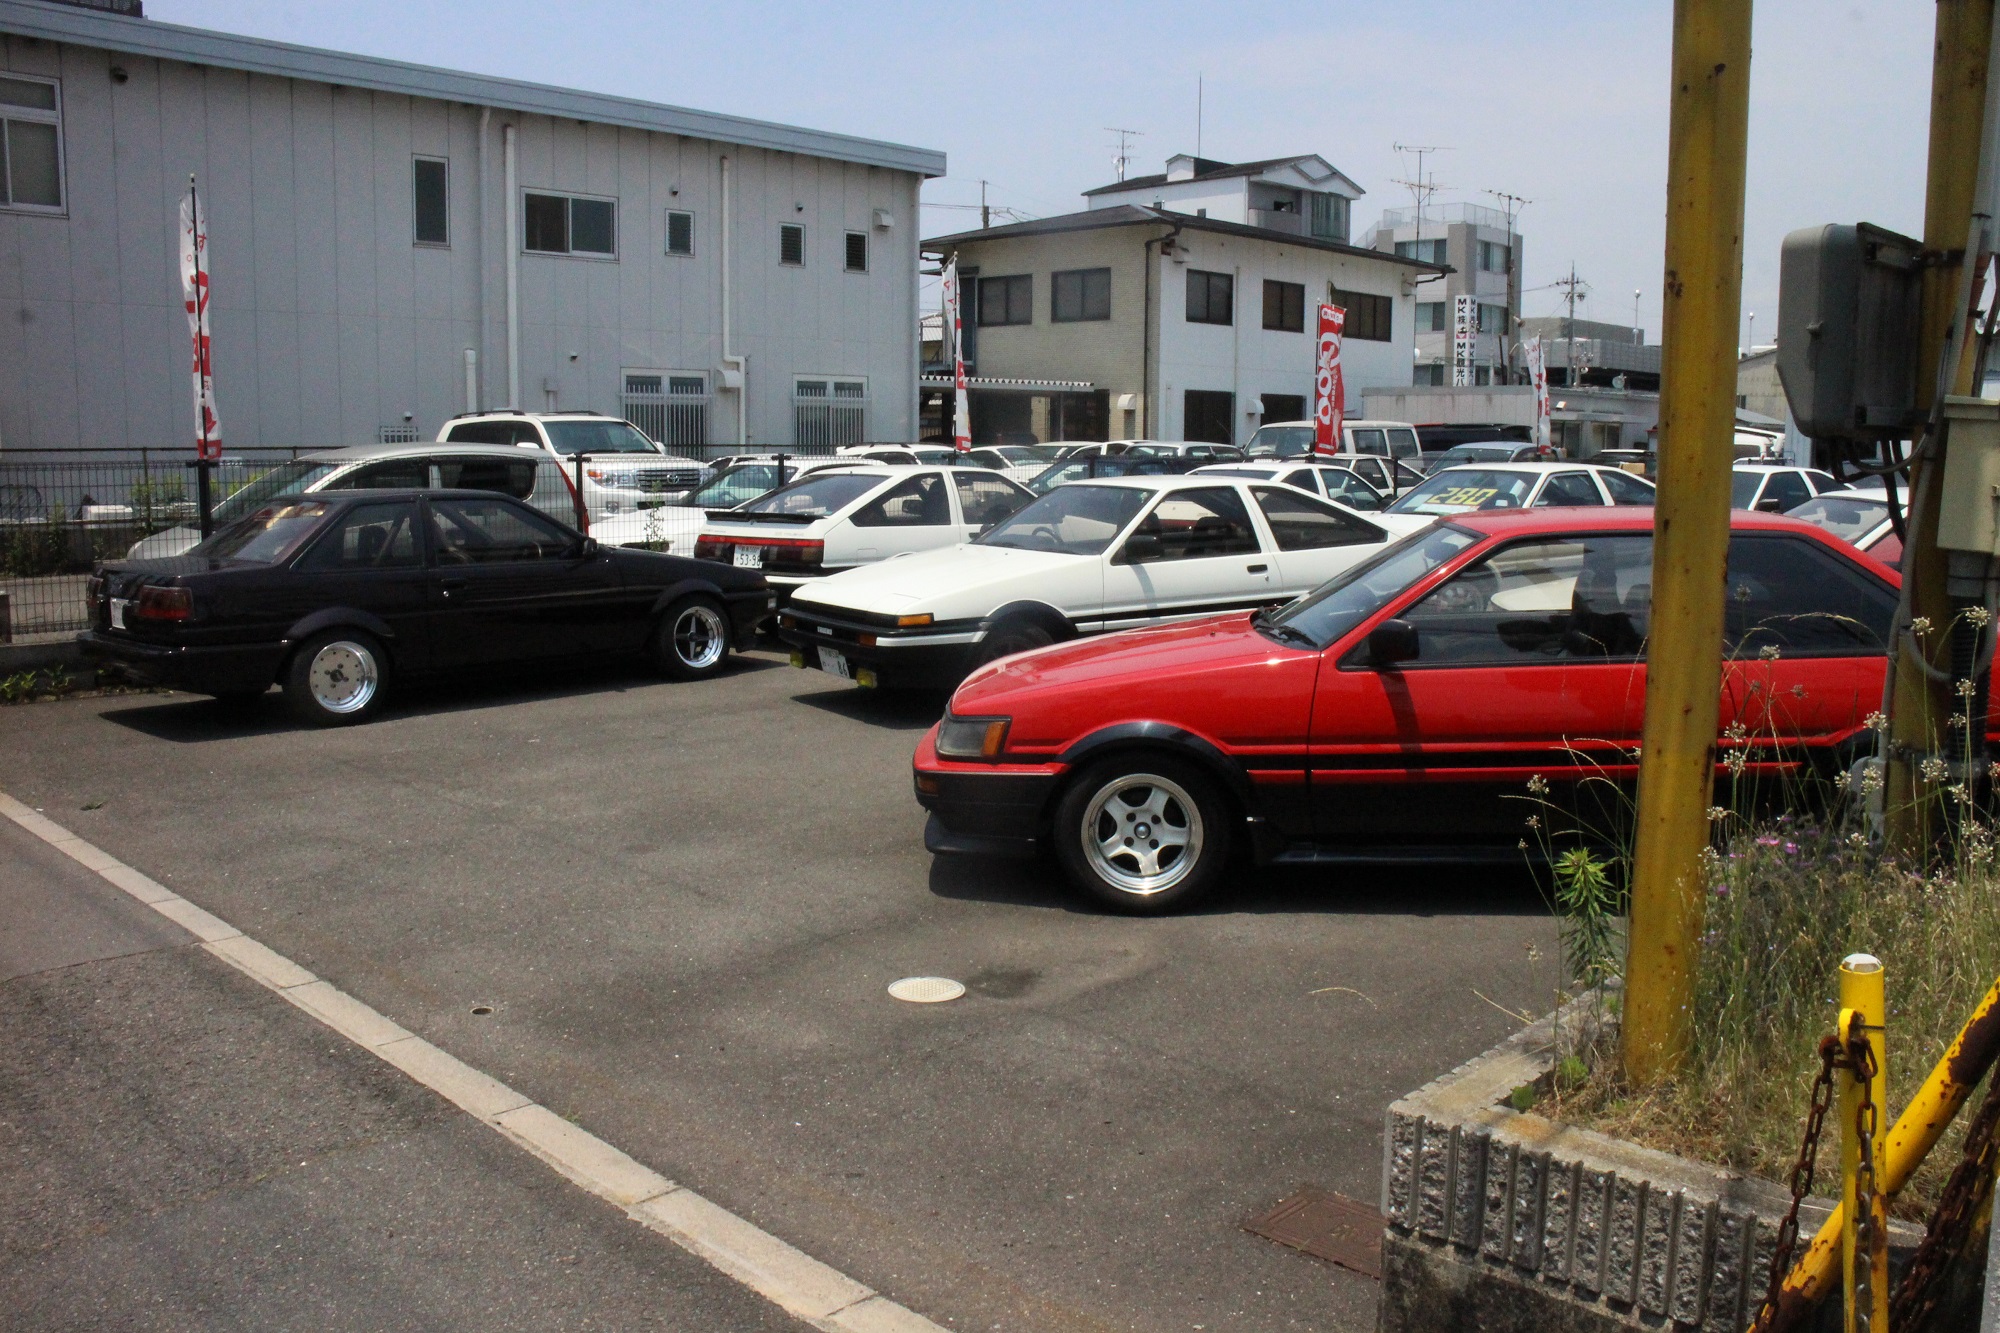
(1422, 188)
(1125, 138)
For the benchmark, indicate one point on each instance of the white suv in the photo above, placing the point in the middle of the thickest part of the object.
(623, 471)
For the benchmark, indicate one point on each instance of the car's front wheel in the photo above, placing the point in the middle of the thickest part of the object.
(336, 678)
(1010, 637)
(1143, 834)
(692, 641)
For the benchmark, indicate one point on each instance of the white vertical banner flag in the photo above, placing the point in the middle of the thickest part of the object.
(1538, 375)
(194, 291)
(1464, 338)
(961, 415)
(1329, 390)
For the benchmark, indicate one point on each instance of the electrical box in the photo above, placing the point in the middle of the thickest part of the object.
(1847, 331)
(1969, 508)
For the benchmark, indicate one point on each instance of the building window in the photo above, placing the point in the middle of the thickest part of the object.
(828, 413)
(1329, 216)
(1433, 317)
(670, 407)
(791, 243)
(1080, 294)
(1285, 306)
(430, 194)
(680, 233)
(1492, 257)
(1009, 300)
(857, 252)
(1427, 252)
(399, 434)
(562, 224)
(1428, 375)
(1493, 319)
(1368, 316)
(1283, 407)
(30, 143)
(1211, 297)
(1206, 415)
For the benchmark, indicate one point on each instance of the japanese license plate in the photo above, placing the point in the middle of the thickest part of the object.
(750, 557)
(118, 606)
(834, 664)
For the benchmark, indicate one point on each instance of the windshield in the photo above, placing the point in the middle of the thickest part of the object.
(1280, 442)
(817, 496)
(293, 478)
(267, 536)
(1334, 608)
(1076, 520)
(597, 437)
(1477, 453)
(1464, 488)
(1743, 488)
(732, 486)
(1847, 517)
(1029, 453)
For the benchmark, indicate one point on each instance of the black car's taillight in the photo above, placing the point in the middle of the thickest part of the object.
(164, 604)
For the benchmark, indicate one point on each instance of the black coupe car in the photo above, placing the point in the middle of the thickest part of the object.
(334, 596)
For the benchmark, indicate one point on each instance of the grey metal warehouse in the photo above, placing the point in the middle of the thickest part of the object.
(391, 244)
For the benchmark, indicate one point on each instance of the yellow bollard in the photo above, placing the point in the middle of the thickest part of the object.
(1865, 1275)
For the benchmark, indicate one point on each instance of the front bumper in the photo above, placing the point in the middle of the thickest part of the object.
(218, 669)
(933, 657)
(982, 809)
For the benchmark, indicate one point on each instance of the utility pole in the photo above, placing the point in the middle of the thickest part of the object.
(1515, 203)
(1575, 287)
(1701, 293)
(985, 213)
(1124, 157)
(1197, 115)
(1920, 688)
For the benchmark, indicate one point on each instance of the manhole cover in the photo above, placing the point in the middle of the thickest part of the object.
(926, 990)
(1326, 1225)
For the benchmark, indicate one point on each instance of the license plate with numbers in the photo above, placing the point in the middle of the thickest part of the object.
(750, 557)
(834, 664)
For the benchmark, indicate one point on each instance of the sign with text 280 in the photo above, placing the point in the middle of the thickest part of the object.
(1329, 394)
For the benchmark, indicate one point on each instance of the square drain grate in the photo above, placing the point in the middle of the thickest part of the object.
(1326, 1225)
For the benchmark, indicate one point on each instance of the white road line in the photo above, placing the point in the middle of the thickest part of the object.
(789, 1278)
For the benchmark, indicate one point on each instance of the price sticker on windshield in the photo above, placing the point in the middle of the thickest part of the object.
(1470, 496)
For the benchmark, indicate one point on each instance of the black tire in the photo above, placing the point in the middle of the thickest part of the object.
(691, 640)
(1154, 876)
(337, 678)
(1010, 637)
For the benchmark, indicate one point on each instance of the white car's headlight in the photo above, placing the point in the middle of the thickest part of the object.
(973, 737)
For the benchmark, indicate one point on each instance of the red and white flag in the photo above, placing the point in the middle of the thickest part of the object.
(1329, 392)
(1538, 375)
(194, 291)
(961, 415)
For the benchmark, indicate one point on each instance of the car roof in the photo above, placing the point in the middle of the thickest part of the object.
(1759, 465)
(1615, 518)
(1537, 468)
(356, 453)
(578, 414)
(1158, 482)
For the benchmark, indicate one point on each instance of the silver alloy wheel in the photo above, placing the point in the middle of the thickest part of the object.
(1141, 834)
(700, 637)
(343, 677)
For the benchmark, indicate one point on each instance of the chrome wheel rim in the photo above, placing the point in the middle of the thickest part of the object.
(1142, 834)
(700, 638)
(343, 677)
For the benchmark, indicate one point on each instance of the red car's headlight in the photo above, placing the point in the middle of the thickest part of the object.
(972, 737)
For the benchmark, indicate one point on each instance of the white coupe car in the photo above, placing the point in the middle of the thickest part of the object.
(1459, 490)
(1336, 483)
(1088, 557)
(674, 528)
(839, 518)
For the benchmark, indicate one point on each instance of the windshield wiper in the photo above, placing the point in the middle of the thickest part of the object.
(1262, 620)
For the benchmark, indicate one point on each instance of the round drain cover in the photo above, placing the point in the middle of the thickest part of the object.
(926, 990)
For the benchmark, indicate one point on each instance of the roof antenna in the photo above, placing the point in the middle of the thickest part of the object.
(1197, 117)
(1124, 157)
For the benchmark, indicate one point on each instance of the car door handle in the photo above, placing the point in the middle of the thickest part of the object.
(1257, 569)
(448, 586)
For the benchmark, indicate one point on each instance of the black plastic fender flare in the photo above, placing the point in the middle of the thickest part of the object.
(1040, 613)
(1165, 736)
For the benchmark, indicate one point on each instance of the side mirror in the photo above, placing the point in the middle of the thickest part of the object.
(1770, 506)
(1141, 547)
(590, 548)
(1391, 642)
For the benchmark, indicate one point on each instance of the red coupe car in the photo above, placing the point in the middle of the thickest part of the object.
(1399, 711)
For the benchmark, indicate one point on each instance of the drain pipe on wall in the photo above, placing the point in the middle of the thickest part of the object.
(475, 392)
(735, 368)
(509, 171)
(1147, 427)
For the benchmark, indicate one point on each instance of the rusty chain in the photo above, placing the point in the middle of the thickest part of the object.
(1860, 1060)
(1818, 1103)
(1958, 1204)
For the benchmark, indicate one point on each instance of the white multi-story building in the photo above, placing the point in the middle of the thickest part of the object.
(392, 244)
(1484, 255)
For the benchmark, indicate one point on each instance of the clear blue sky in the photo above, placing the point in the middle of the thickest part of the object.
(1561, 102)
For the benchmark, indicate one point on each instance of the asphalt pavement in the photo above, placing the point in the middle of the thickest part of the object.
(680, 906)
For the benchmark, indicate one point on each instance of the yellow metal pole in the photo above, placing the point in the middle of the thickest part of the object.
(1707, 128)
(1861, 999)
(1918, 704)
(1923, 1122)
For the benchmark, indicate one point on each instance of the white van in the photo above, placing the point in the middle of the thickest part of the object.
(1385, 439)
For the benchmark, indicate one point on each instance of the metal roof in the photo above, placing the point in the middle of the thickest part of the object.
(1133, 215)
(200, 46)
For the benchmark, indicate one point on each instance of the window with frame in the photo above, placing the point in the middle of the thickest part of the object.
(1424, 252)
(1541, 601)
(1285, 306)
(31, 175)
(1369, 317)
(1301, 523)
(1207, 415)
(828, 413)
(1492, 257)
(1627, 489)
(368, 536)
(1211, 297)
(670, 408)
(988, 499)
(1081, 294)
(917, 502)
(1328, 215)
(680, 232)
(1433, 317)
(430, 200)
(1792, 594)
(1566, 490)
(1493, 319)
(488, 532)
(564, 224)
(1193, 525)
(857, 252)
(792, 244)
(1007, 300)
